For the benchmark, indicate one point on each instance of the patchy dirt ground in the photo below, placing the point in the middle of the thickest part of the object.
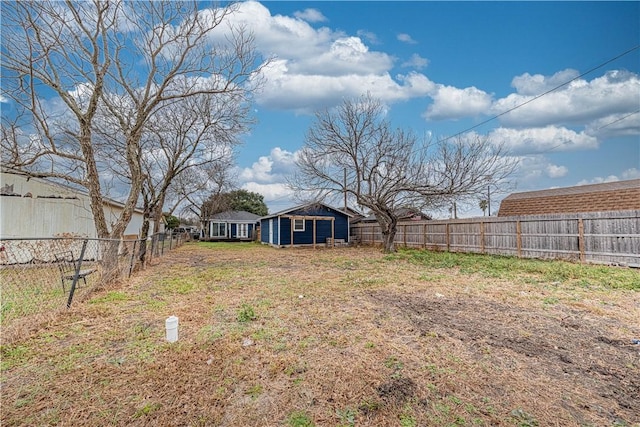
(561, 349)
(330, 337)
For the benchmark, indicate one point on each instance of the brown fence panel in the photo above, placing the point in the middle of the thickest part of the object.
(500, 238)
(601, 237)
(436, 236)
(612, 240)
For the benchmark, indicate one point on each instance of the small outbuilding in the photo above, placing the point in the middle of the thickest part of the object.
(609, 196)
(306, 225)
(231, 226)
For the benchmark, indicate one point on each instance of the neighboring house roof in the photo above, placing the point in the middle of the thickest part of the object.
(404, 214)
(309, 206)
(235, 216)
(353, 212)
(610, 196)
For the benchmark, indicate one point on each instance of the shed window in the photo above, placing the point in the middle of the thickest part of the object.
(298, 225)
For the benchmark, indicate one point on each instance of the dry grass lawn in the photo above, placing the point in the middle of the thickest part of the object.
(336, 337)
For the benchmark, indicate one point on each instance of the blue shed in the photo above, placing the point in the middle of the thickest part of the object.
(306, 225)
(230, 226)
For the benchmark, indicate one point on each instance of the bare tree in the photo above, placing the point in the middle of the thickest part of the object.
(195, 133)
(88, 78)
(191, 189)
(68, 65)
(352, 150)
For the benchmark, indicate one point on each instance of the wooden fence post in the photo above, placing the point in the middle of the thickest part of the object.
(581, 239)
(424, 235)
(519, 238)
(481, 236)
(405, 235)
(448, 238)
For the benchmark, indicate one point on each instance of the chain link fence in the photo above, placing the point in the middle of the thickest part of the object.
(40, 277)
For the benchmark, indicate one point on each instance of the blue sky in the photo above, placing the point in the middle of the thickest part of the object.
(444, 67)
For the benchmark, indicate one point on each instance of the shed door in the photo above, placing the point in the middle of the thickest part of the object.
(271, 231)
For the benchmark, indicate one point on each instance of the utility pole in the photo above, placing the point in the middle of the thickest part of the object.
(489, 199)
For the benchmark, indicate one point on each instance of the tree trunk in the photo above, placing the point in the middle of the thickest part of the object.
(389, 245)
(144, 233)
(388, 236)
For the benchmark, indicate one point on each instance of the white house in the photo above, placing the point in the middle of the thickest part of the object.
(40, 208)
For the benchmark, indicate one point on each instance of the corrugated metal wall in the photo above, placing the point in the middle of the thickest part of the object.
(598, 237)
(43, 209)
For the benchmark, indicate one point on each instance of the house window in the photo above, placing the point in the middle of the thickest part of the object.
(218, 229)
(243, 230)
(298, 225)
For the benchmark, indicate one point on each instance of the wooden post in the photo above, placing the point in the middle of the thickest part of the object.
(424, 235)
(314, 233)
(333, 234)
(293, 220)
(405, 235)
(519, 238)
(448, 238)
(481, 237)
(581, 240)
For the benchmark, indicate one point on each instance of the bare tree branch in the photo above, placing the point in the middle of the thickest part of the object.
(352, 150)
(86, 79)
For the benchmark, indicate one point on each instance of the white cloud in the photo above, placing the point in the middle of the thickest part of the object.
(599, 180)
(555, 171)
(406, 38)
(268, 177)
(307, 93)
(538, 140)
(270, 169)
(627, 124)
(581, 101)
(368, 36)
(529, 85)
(310, 15)
(270, 192)
(282, 36)
(344, 56)
(632, 173)
(451, 103)
(260, 170)
(533, 168)
(416, 61)
(316, 68)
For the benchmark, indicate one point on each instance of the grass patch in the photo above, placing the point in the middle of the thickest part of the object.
(246, 314)
(13, 355)
(110, 297)
(584, 275)
(299, 419)
(147, 410)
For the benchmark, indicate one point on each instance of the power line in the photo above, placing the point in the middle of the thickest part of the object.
(618, 120)
(545, 93)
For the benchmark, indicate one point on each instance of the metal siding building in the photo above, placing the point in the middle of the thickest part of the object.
(39, 208)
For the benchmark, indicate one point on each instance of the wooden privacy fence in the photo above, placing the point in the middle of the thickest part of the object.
(601, 237)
